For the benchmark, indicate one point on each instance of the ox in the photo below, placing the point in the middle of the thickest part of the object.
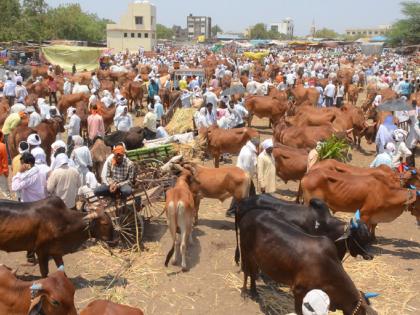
(180, 213)
(226, 140)
(134, 92)
(133, 139)
(377, 200)
(315, 219)
(265, 107)
(70, 100)
(302, 95)
(99, 152)
(51, 296)
(290, 256)
(49, 229)
(102, 307)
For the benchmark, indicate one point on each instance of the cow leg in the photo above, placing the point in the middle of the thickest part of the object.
(196, 206)
(373, 233)
(177, 253)
(58, 261)
(299, 192)
(216, 160)
(298, 294)
(185, 235)
(43, 264)
(244, 287)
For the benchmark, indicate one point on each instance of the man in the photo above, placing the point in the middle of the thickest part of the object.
(315, 302)
(4, 169)
(193, 84)
(29, 181)
(240, 113)
(73, 69)
(385, 158)
(150, 123)
(19, 106)
(94, 98)
(384, 134)
(329, 94)
(340, 95)
(247, 161)
(11, 122)
(52, 86)
(119, 175)
(9, 91)
(183, 84)
(405, 88)
(267, 168)
(81, 157)
(96, 84)
(20, 91)
(159, 110)
(22, 148)
(67, 86)
(64, 181)
(153, 90)
(413, 134)
(210, 97)
(95, 124)
(73, 129)
(34, 118)
(123, 122)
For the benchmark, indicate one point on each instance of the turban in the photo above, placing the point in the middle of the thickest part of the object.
(268, 143)
(390, 148)
(34, 139)
(316, 302)
(22, 114)
(119, 149)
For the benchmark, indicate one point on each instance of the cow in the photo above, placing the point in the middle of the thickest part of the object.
(378, 200)
(180, 213)
(133, 139)
(48, 228)
(40, 89)
(265, 107)
(99, 152)
(47, 131)
(217, 183)
(226, 140)
(134, 92)
(53, 295)
(39, 71)
(302, 94)
(70, 100)
(312, 116)
(78, 88)
(107, 113)
(315, 219)
(103, 307)
(288, 255)
(353, 94)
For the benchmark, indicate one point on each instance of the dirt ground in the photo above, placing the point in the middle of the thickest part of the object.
(212, 286)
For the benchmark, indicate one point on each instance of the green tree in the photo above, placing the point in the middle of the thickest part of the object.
(164, 32)
(216, 29)
(406, 31)
(9, 15)
(326, 33)
(34, 24)
(258, 31)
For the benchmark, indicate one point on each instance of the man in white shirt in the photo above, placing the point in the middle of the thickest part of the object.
(123, 122)
(96, 84)
(67, 87)
(247, 161)
(329, 94)
(73, 129)
(20, 91)
(34, 118)
(210, 97)
(9, 90)
(150, 123)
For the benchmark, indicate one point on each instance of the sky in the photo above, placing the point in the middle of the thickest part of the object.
(237, 15)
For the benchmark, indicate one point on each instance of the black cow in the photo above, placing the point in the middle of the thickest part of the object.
(289, 256)
(315, 220)
(133, 139)
(48, 228)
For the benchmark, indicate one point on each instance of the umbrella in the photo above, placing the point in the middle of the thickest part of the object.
(393, 106)
(237, 89)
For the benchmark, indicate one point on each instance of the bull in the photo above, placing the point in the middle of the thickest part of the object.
(102, 307)
(266, 107)
(133, 139)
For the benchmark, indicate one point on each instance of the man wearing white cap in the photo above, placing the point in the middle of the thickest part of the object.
(315, 302)
(267, 168)
(385, 158)
(96, 84)
(67, 88)
(34, 142)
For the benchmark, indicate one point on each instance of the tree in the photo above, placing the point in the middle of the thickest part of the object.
(258, 31)
(326, 33)
(406, 31)
(216, 29)
(34, 17)
(9, 15)
(164, 32)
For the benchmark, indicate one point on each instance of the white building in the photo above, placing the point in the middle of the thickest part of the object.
(285, 27)
(137, 28)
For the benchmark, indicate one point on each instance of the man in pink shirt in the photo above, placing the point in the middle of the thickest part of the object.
(95, 124)
(52, 86)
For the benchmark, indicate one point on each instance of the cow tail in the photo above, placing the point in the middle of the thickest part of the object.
(237, 252)
(169, 256)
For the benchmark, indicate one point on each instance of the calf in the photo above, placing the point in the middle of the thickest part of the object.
(51, 296)
(102, 307)
(315, 219)
(377, 200)
(180, 213)
(290, 256)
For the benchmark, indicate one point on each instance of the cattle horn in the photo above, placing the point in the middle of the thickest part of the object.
(91, 216)
(344, 236)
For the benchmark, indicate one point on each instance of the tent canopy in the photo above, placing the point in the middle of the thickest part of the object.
(65, 56)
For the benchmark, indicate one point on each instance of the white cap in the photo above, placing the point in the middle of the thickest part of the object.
(34, 139)
(315, 302)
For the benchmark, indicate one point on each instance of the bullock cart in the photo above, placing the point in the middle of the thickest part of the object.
(147, 200)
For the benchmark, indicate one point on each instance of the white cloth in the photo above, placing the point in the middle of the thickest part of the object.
(329, 90)
(18, 107)
(73, 128)
(150, 120)
(123, 122)
(67, 88)
(34, 120)
(247, 159)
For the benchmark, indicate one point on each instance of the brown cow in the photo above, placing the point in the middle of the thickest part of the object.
(265, 107)
(377, 200)
(291, 163)
(353, 94)
(51, 296)
(226, 140)
(180, 213)
(302, 94)
(102, 307)
(40, 89)
(70, 100)
(99, 152)
(39, 71)
(134, 92)
(107, 114)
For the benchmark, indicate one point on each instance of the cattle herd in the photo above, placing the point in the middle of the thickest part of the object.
(299, 244)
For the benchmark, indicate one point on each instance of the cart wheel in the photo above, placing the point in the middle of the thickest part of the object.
(129, 227)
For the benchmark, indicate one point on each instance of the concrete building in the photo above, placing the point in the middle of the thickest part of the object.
(198, 26)
(368, 32)
(180, 33)
(285, 27)
(137, 28)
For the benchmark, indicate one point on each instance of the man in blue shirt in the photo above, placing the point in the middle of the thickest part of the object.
(159, 111)
(152, 90)
(405, 89)
(9, 90)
